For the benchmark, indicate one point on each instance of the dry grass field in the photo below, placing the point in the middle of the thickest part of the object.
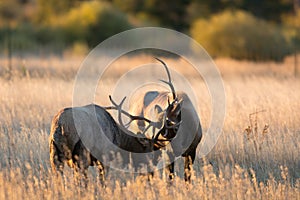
(253, 159)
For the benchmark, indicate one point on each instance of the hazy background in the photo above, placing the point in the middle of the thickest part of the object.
(241, 29)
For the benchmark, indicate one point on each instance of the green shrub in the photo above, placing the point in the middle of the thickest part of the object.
(18, 38)
(82, 26)
(240, 35)
(25, 38)
(46, 35)
(292, 28)
(93, 22)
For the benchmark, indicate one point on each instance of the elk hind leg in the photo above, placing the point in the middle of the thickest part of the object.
(82, 160)
(56, 158)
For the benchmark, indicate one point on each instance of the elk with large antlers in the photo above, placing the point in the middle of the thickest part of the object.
(86, 136)
(152, 104)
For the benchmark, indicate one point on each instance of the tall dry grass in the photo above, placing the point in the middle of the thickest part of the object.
(241, 166)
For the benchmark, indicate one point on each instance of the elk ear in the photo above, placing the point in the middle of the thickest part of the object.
(157, 109)
(159, 114)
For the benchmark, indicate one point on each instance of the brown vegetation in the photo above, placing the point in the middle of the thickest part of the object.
(237, 168)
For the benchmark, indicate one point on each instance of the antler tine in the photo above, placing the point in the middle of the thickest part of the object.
(149, 125)
(169, 77)
(119, 108)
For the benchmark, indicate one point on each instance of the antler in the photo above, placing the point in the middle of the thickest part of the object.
(120, 111)
(169, 77)
(132, 117)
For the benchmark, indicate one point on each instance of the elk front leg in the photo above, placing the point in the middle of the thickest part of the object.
(100, 167)
(170, 166)
(171, 171)
(188, 164)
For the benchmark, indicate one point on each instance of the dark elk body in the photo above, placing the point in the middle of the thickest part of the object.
(85, 136)
(189, 134)
(82, 136)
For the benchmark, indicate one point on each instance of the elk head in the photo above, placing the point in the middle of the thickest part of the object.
(172, 114)
(172, 119)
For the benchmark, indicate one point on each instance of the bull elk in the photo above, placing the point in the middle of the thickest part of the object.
(188, 134)
(82, 136)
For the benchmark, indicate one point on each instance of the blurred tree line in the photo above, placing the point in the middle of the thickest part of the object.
(242, 29)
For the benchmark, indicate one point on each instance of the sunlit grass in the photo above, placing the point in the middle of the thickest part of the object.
(262, 166)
